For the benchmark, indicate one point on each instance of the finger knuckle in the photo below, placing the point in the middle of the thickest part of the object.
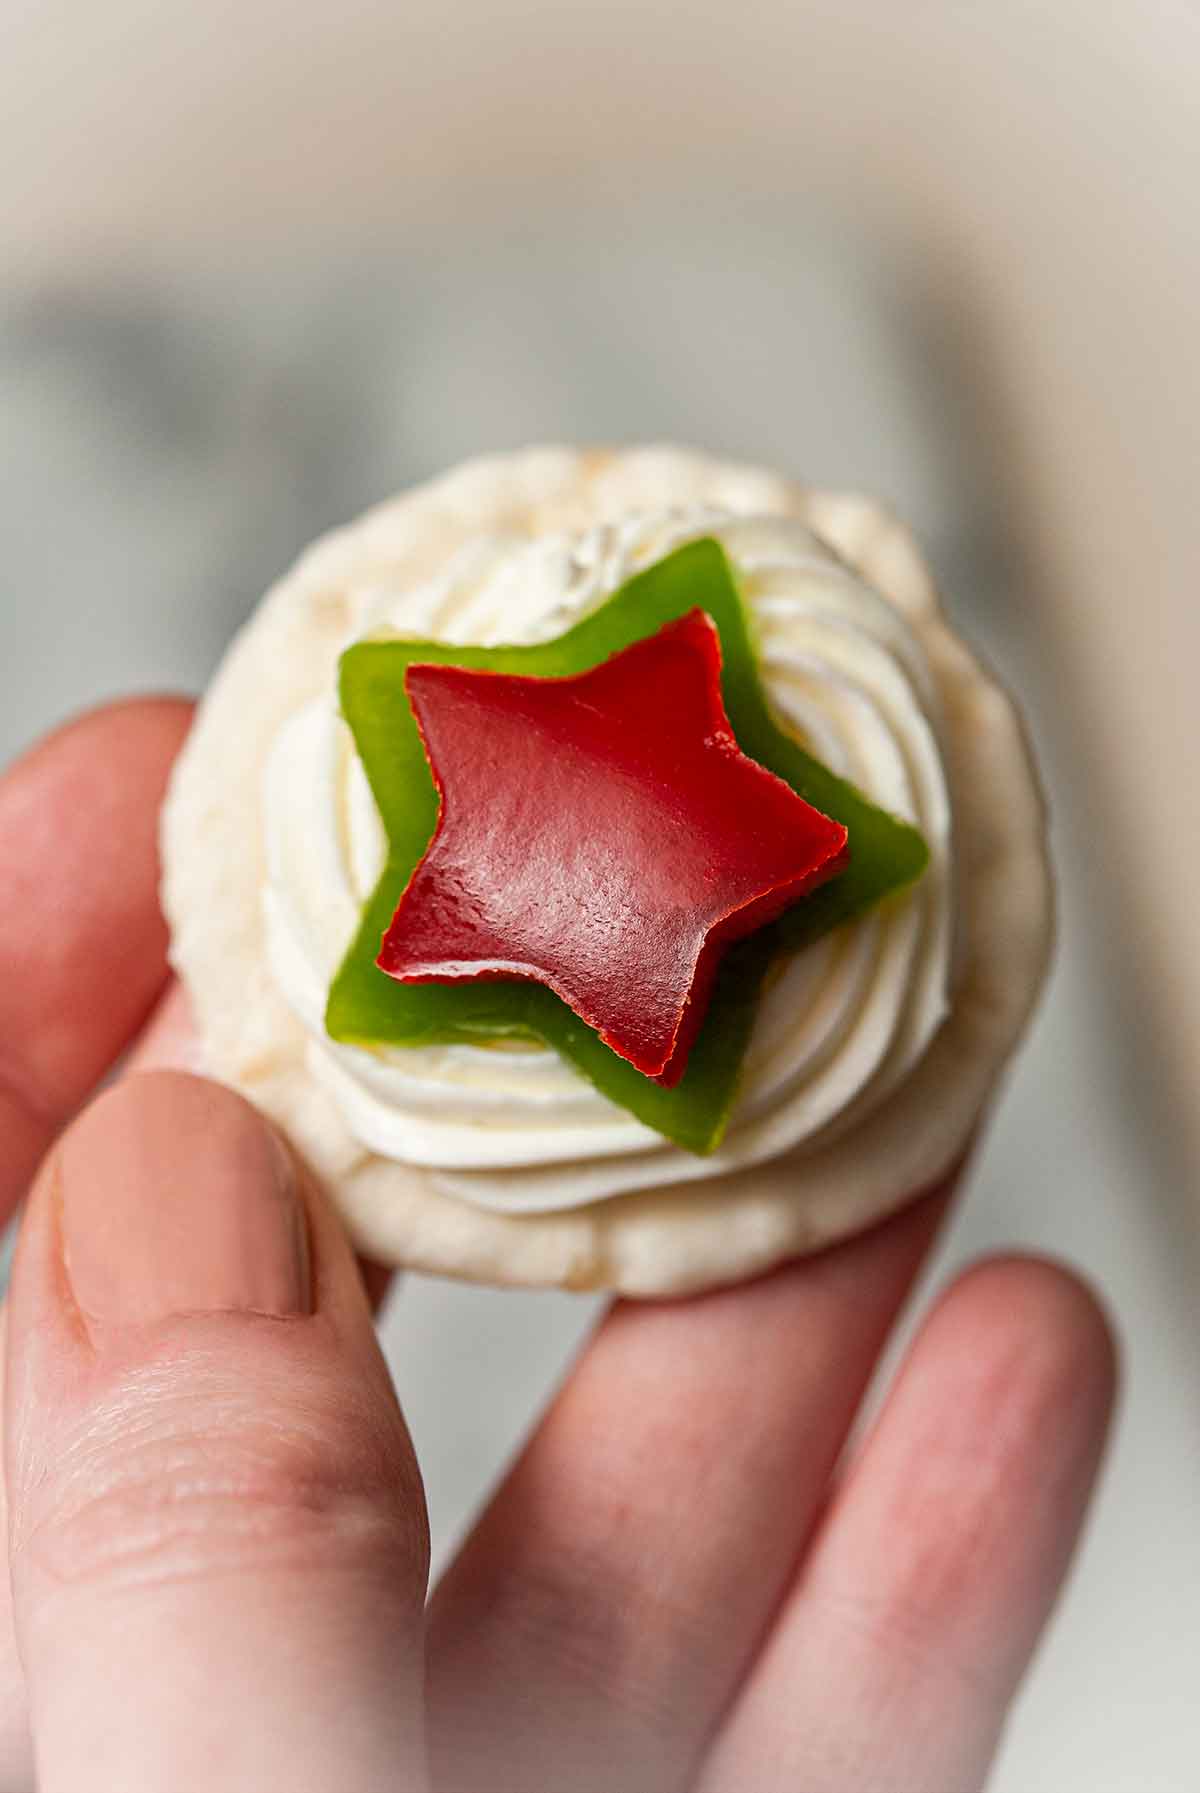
(161, 1486)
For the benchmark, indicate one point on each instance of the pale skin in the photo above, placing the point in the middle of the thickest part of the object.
(216, 1524)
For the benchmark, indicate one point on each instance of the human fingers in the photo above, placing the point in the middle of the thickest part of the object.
(901, 1643)
(217, 1531)
(603, 1611)
(82, 939)
(168, 1041)
(82, 957)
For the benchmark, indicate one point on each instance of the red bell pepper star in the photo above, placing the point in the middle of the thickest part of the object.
(603, 834)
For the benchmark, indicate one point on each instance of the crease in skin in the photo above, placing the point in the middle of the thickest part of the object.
(196, 1465)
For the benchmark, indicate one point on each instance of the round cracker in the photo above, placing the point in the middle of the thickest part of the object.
(681, 1237)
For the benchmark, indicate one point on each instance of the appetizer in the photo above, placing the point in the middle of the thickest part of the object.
(609, 870)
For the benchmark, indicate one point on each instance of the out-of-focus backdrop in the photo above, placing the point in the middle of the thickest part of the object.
(261, 263)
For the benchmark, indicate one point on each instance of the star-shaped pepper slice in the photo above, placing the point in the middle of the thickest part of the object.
(604, 835)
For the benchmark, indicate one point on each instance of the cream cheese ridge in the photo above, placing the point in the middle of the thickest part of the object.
(873, 1050)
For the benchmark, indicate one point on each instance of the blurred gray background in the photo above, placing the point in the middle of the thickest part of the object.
(244, 296)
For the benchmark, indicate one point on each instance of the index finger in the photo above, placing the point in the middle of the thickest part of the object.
(82, 940)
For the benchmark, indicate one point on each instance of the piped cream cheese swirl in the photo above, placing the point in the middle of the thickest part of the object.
(840, 1025)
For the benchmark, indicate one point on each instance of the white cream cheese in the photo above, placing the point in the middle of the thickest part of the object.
(841, 1024)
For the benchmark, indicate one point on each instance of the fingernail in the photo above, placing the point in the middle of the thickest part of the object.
(177, 1198)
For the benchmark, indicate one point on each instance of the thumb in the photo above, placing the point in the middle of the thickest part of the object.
(217, 1532)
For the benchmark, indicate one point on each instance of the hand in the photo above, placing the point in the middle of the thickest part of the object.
(216, 1526)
